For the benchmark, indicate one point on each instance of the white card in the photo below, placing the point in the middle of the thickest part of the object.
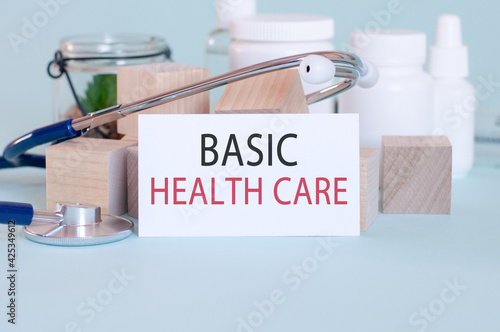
(249, 175)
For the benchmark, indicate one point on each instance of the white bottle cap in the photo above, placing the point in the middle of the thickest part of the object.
(448, 57)
(227, 10)
(388, 48)
(282, 28)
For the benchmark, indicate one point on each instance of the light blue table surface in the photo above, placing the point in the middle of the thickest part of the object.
(406, 273)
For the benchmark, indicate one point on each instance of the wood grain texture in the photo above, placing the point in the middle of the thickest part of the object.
(275, 92)
(416, 174)
(369, 162)
(133, 181)
(141, 81)
(88, 170)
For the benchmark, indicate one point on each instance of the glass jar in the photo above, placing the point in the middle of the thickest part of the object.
(90, 63)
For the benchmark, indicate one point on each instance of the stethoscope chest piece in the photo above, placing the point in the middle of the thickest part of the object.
(75, 224)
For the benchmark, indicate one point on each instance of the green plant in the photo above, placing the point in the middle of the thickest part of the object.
(100, 93)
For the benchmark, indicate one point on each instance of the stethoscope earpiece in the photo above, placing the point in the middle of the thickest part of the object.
(369, 76)
(316, 69)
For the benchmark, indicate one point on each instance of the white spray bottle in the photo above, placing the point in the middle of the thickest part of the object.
(454, 95)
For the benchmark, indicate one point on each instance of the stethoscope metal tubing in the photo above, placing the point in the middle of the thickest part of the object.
(348, 66)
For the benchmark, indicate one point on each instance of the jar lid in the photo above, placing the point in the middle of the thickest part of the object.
(112, 45)
(282, 28)
(390, 47)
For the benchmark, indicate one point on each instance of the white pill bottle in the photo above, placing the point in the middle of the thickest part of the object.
(401, 103)
(266, 37)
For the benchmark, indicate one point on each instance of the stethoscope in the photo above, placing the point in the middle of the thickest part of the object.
(81, 224)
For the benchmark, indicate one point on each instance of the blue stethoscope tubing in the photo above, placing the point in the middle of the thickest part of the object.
(21, 213)
(15, 153)
(347, 66)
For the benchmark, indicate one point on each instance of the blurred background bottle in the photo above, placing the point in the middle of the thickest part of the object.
(401, 103)
(218, 41)
(455, 100)
(267, 37)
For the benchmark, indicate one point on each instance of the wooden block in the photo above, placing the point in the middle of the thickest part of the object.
(133, 181)
(276, 92)
(416, 174)
(369, 162)
(141, 81)
(88, 170)
(129, 138)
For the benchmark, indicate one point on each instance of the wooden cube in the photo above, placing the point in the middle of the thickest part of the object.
(276, 92)
(142, 81)
(369, 162)
(133, 181)
(416, 174)
(88, 170)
